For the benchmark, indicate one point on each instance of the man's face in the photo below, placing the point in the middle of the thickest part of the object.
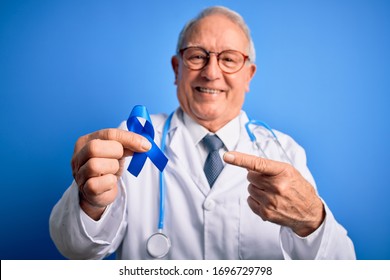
(209, 96)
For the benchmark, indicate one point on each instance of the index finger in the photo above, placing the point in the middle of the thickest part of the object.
(254, 163)
(129, 140)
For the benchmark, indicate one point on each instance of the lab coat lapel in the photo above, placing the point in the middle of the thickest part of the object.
(231, 175)
(244, 144)
(183, 156)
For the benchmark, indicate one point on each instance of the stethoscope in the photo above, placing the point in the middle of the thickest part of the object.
(158, 244)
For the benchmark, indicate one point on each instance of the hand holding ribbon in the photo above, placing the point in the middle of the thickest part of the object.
(155, 154)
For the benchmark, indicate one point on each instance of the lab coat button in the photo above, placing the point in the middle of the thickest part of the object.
(209, 205)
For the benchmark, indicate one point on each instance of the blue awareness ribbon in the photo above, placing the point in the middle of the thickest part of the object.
(154, 154)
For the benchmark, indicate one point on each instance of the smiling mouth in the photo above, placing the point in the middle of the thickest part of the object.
(208, 90)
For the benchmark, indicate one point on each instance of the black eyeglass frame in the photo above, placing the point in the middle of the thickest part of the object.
(208, 53)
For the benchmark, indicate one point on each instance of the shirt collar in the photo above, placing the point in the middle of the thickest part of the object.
(229, 133)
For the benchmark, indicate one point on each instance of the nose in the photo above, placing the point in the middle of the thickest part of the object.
(212, 71)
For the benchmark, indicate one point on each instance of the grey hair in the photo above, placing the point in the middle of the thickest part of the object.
(230, 14)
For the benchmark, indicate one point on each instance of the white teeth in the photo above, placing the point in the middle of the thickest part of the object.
(209, 90)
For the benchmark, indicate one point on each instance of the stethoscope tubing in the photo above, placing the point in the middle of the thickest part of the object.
(162, 181)
(159, 236)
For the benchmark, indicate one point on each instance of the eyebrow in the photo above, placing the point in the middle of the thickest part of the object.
(201, 46)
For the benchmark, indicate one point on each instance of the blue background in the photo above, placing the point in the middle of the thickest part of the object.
(68, 68)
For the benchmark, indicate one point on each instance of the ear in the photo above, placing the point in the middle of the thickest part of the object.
(250, 73)
(175, 67)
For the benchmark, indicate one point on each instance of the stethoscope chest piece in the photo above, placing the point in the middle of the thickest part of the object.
(158, 245)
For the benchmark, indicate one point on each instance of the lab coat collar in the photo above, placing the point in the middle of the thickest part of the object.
(228, 134)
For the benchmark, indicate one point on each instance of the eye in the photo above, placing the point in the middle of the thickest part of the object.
(195, 57)
(230, 58)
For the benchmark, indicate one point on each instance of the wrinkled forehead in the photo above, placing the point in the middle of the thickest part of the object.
(216, 30)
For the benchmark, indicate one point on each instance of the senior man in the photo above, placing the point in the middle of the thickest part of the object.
(247, 207)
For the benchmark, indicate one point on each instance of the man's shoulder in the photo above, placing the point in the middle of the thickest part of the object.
(158, 119)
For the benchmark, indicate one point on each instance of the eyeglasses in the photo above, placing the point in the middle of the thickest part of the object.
(229, 61)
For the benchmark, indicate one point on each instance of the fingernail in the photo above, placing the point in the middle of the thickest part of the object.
(146, 145)
(228, 157)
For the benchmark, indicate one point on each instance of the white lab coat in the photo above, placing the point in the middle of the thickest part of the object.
(201, 223)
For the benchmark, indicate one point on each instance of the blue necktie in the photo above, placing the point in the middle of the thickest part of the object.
(214, 164)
